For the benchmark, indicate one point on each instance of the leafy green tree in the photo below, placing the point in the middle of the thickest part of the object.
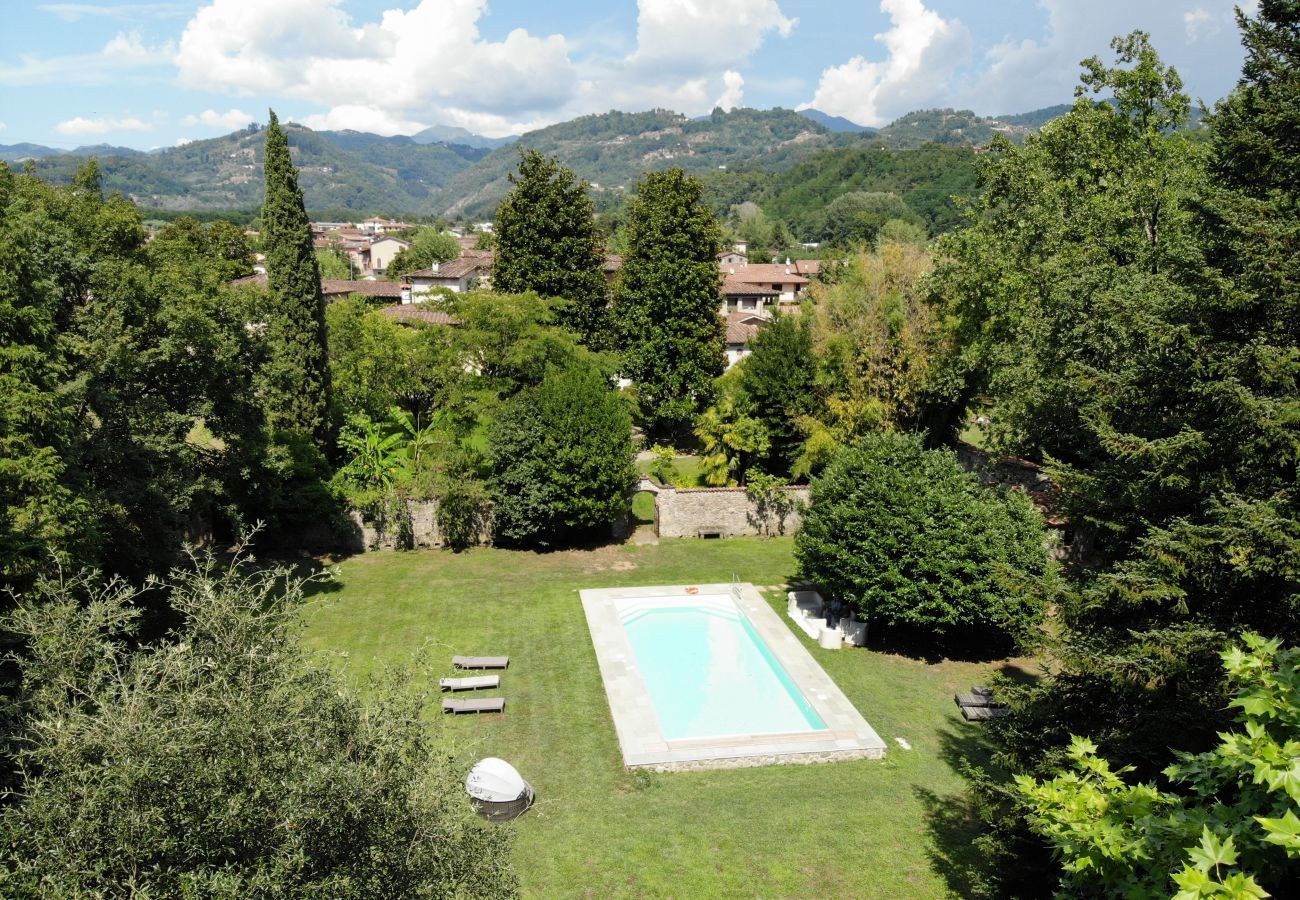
(428, 246)
(667, 302)
(910, 539)
(334, 265)
(561, 459)
(219, 761)
(778, 382)
(376, 364)
(297, 374)
(858, 216)
(1227, 827)
(882, 352)
(547, 242)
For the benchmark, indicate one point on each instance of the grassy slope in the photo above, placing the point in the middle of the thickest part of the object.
(847, 829)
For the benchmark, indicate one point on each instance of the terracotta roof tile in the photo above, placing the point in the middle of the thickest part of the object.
(369, 288)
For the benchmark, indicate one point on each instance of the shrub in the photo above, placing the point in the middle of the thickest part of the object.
(561, 459)
(910, 539)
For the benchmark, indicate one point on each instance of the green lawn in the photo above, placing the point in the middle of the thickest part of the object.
(850, 829)
(688, 471)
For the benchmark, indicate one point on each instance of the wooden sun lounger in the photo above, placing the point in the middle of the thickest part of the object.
(974, 700)
(487, 704)
(480, 662)
(979, 713)
(478, 682)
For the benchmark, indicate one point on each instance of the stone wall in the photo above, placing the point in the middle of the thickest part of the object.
(686, 512)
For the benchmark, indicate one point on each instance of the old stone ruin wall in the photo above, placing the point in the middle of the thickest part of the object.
(725, 512)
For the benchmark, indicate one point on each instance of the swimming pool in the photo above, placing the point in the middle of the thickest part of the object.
(708, 672)
(708, 676)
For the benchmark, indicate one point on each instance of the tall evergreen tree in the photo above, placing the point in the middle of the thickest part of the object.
(297, 375)
(666, 305)
(547, 242)
(778, 384)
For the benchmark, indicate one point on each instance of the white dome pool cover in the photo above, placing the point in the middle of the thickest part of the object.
(498, 789)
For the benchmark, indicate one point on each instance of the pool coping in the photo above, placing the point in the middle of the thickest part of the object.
(848, 736)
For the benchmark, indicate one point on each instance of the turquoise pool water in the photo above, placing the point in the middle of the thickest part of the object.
(709, 674)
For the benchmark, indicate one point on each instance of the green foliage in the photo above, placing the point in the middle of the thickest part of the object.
(662, 467)
(882, 353)
(547, 242)
(731, 437)
(908, 538)
(376, 364)
(296, 376)
(858, 216)
(219, 762)
(666, 302)
(778, 389)
(561, 460)
(1227, 827)
(334, 265)
(428, 246)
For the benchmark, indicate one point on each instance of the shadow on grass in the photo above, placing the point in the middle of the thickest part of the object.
(974, 645)
(952, 821)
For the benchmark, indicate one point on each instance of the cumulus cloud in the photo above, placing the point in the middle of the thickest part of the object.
(80, 127)
(1200, 23)
(733, 90)
(924, 51)
(1040, 71)
(692, 38)
(230, 120)
(409, 67)
(125, 52)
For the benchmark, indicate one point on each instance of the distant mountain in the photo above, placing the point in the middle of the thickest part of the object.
(16, 152)
(451, 134)
(1039, 117)
(441, 171)
(612, 150)
(351, 171)
(837, 124)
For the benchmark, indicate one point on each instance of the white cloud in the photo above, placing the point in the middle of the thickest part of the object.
(3, 126)
(1035, 72)
(924, 52)
(408, 67)
(126, 52)
(694, 38)
(230, 120)
(79, 127)
(1200, 23)
(733, 91)
(182, 141)
(430, 64)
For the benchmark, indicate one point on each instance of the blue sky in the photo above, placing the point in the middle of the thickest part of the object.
(155, 73)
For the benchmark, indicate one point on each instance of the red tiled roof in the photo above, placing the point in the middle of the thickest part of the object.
(766, 273)
(417, 312)
(734, 286)
(369, 288)
(255, 280)
(808, 267)
(741, 327)
(457, 268)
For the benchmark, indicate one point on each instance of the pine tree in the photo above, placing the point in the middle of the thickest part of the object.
(666, 306)
(297, 375)
(547, 242)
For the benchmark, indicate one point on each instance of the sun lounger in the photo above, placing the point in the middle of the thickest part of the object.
(480, 662)
(487, 704)
(478, 682)
(978, 696)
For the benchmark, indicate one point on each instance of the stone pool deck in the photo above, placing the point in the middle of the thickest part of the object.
(847, 736)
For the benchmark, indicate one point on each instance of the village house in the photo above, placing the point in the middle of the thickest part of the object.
(741, 328)
(382, 250)
(471, 270)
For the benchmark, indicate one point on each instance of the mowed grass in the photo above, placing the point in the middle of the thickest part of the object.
(849, 829)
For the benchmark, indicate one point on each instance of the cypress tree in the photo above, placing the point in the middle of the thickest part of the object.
(296, 376)
(666, 306)
(547, 242)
